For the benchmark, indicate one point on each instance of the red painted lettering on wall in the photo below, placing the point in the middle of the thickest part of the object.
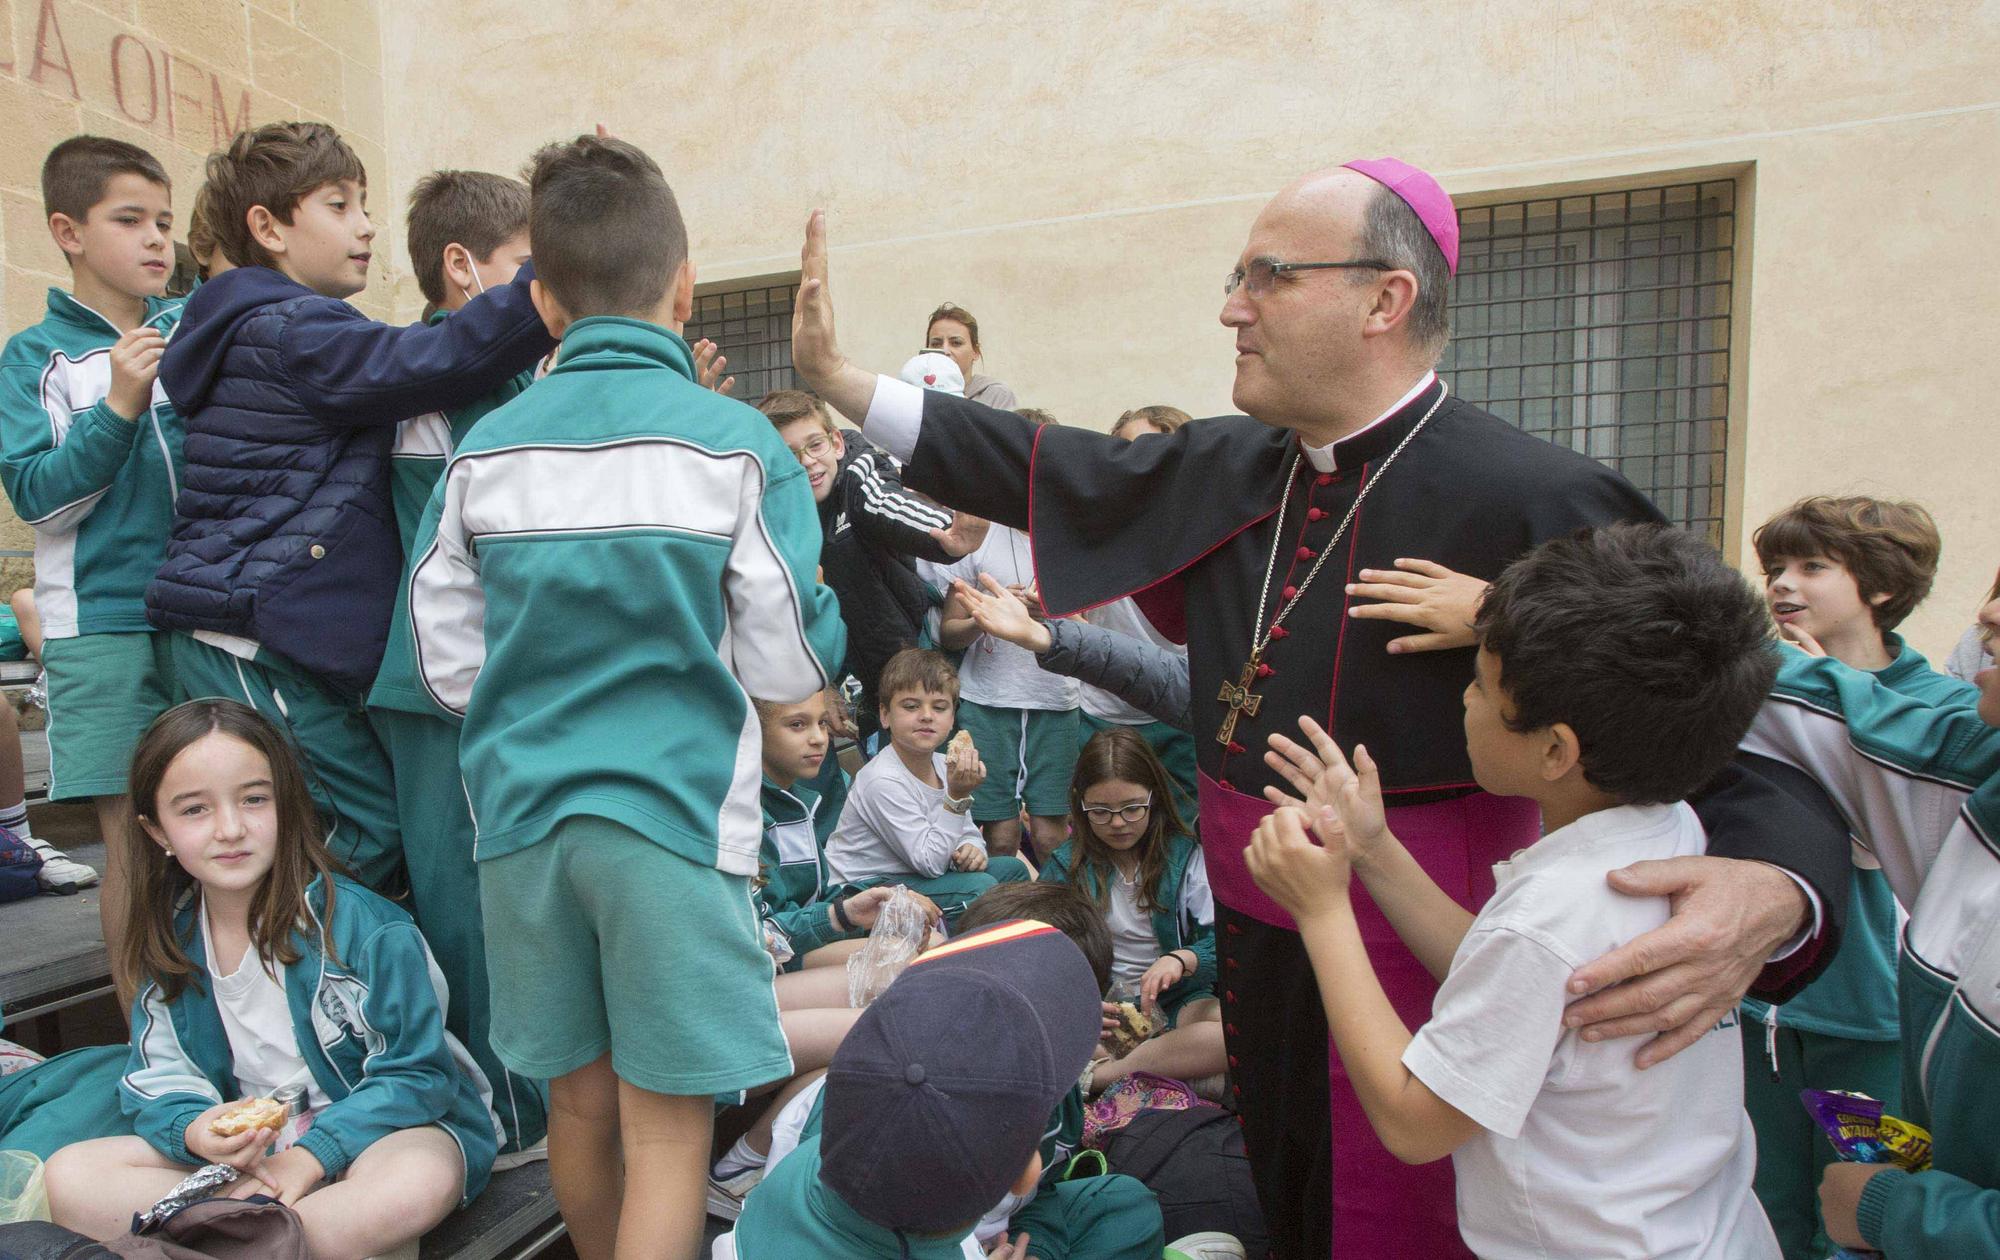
(125, 79)
(225, 127)
(198, 105)
(46, 28)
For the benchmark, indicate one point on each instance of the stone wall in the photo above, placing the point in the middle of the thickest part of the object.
(177, 77)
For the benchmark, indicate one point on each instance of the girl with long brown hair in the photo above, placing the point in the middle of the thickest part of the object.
(1132, 854)
(264, 973)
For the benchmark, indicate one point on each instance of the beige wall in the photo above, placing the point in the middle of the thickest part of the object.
(1081, 174)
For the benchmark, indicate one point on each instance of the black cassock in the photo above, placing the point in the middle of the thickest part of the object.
(1186, 523)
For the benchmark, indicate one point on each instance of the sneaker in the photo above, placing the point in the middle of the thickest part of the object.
(1208, 1245)
(725, 1198)
(60, 873)
(515, 1159)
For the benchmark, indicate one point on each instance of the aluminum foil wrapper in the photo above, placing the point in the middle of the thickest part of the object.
(198, 1185)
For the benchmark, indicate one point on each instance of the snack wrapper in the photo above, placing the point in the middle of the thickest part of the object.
(898, 935)
(1862, 1134)
(197, 1185)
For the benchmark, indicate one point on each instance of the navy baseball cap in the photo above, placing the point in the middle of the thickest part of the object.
(941, 1092)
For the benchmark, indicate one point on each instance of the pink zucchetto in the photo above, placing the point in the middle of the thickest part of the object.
(1422, 194)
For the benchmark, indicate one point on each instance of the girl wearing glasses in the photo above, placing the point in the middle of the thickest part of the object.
(1130, 852)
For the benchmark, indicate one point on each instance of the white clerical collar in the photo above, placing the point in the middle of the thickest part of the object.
(1321, 457)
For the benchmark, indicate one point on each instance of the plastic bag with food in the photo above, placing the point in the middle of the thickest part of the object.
(898, 936)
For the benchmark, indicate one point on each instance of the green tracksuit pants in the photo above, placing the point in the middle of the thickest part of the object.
(436, 824)
(1792, 1151)
(953, 891)
(1097, 1218)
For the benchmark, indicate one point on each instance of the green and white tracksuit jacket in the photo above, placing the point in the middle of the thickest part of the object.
(622, 559)
(1184, 918)
(416, 464)
(1920, 785)
(1855, 997)
(369, 1015)
(793, 898)
(99, 489)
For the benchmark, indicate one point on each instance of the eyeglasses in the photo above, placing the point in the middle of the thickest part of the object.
(816, 447)
(1257, 277)
(1101, 814)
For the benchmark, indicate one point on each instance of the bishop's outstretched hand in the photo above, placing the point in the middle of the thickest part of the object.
(815, 350)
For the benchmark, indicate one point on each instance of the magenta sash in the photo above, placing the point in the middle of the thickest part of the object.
(1381, 1206)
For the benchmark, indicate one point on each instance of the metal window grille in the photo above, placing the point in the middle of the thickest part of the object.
(1602, 323)
(753, 327)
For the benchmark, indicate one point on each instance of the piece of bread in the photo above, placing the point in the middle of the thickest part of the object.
(1134, 1027)
(960, 741)
(258, 1113)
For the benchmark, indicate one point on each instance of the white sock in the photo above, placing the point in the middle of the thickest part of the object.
(15, 819)
(739, 1159)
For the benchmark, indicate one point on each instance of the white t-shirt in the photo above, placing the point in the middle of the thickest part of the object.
(996, 673)
(1582, 1154)
(895, 824)
(263, 1046)
(1134, 947)
(1123, 617)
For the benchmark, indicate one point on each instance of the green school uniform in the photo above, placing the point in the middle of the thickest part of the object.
(99, 491)
(1842, 1032)
(793, 898)
(1921, 785)
(431, 811)
(1178, 920)
(620, 560)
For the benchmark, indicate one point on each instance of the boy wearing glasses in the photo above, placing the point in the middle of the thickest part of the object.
(871, 529)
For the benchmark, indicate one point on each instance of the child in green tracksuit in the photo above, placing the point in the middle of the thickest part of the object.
(281, 574)
(622, 560)
(467, 233)
(1133, 857)
(915, 1136)
(90, 454)
(1841, 573)
(803, 791)
(1921, 785)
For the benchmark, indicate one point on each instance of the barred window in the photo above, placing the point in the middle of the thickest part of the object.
(1602, 323)
(753, 327)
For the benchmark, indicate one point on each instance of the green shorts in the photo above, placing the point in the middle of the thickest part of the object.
(1030, 755)
(599, 939)
(104, 691)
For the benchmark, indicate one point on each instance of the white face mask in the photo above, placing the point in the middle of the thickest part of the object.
(473, 264)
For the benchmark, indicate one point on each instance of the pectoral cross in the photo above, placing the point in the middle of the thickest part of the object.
(1241, 703)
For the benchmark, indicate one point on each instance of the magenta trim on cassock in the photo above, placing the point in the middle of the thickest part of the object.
(1382, 1206)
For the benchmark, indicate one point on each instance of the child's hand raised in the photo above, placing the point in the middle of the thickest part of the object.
(997, 611)
(1796, 636)
(1307, 880)
(709, 362)
(1325, 782)
(963, 771)
(965, 534)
